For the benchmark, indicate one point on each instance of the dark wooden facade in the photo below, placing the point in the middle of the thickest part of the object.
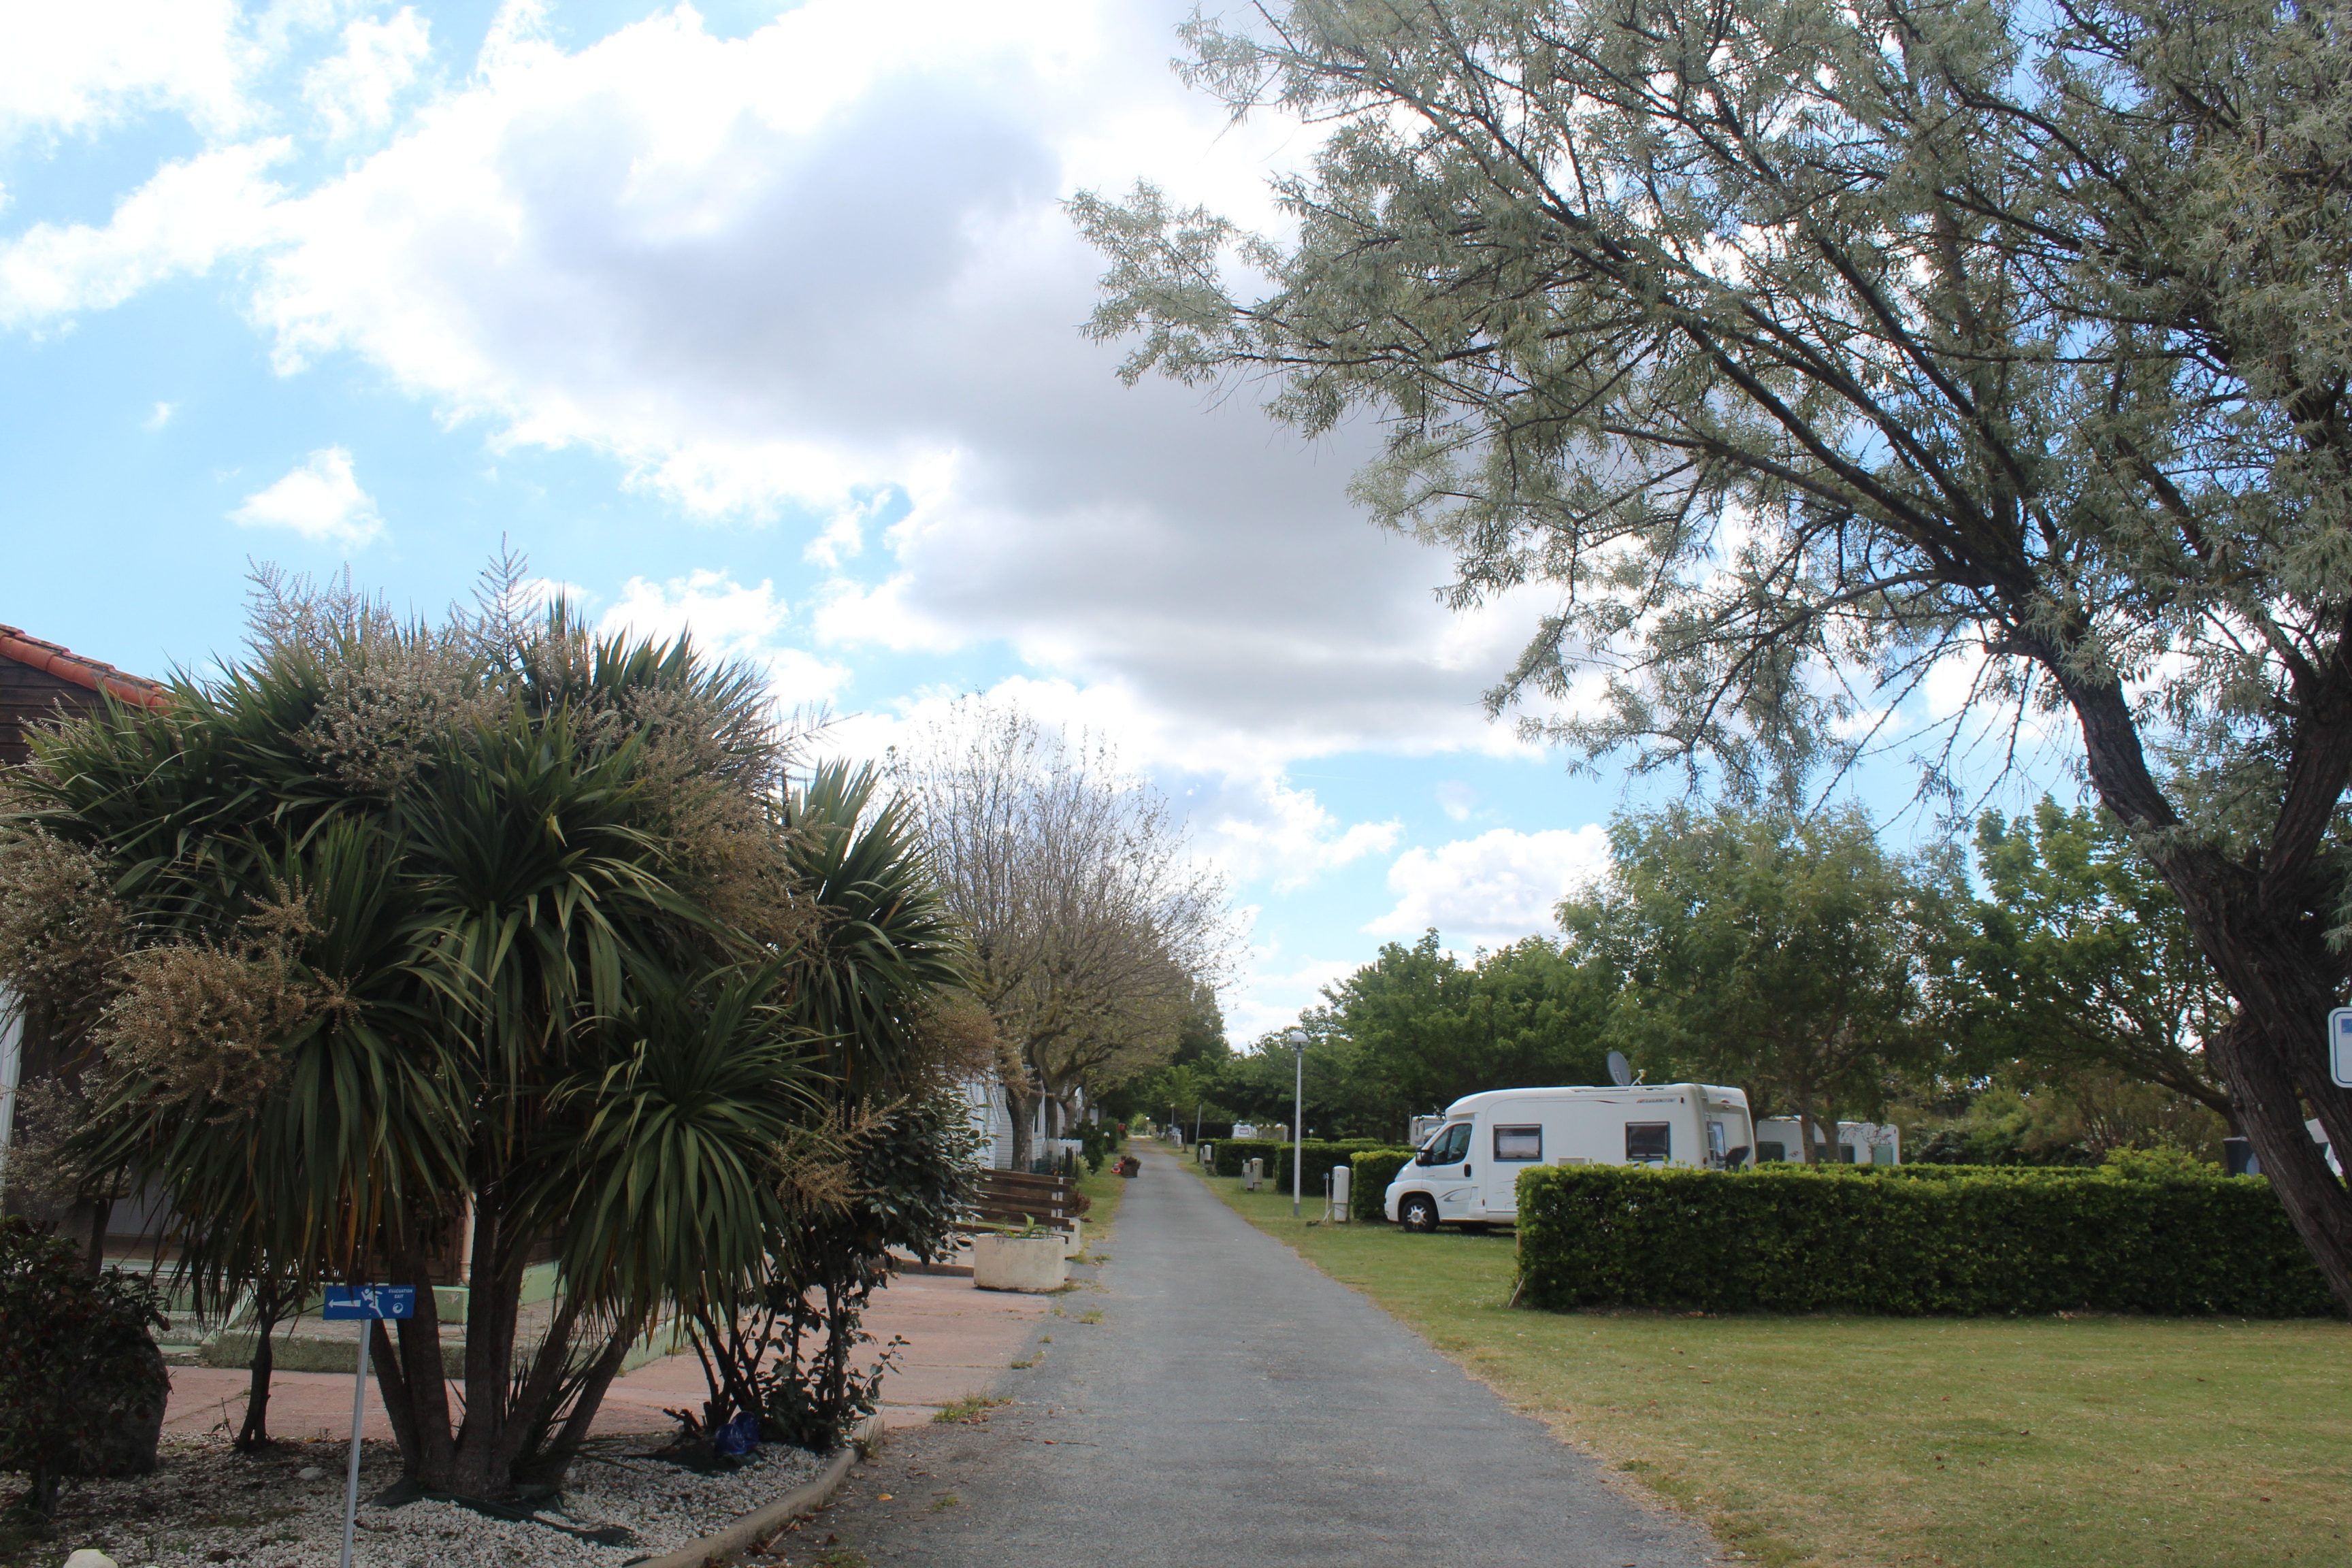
(40, 681)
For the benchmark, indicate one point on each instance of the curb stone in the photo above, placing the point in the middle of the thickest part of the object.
(806, 1497)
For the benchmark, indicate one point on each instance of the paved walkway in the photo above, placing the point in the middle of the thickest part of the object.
(959, 1342)
(1235, 1406)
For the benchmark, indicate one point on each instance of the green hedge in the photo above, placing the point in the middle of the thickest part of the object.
(1375, 1169)
(1988, 1240)
(1320, 1156)
(1230, 1152)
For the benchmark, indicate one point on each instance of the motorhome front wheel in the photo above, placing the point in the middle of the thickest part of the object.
(1418, 1212)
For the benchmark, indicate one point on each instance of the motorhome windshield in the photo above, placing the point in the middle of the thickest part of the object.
(1447, 1146)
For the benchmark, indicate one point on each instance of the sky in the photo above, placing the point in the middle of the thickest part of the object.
(761, 322)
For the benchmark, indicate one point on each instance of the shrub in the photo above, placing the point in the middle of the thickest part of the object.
(1375, 1169)
(1935, 1241)
(82, 1386)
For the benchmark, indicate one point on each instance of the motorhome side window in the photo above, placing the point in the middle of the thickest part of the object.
(1519, 1144)
(1448, 1147)
(1649, 1143)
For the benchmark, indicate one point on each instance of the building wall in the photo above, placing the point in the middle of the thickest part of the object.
(28, 696)
(984, 1099)
(12, 1065)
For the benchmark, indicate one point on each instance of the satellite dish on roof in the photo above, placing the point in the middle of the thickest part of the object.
(1621, 1071)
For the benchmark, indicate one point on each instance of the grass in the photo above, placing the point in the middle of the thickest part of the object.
(1104, 1191)
(2086, 1442)
(971, 1409)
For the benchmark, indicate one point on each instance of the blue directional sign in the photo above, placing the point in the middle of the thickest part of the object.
(370, 1302)
(2339, 1046)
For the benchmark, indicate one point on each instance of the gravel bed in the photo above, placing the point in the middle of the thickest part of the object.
(207, 1504)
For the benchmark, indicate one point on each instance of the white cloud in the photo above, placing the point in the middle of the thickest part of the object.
(728, 617)
(1240, 813)
(794, 272)
(1495, 888)
(159, 417)
(354, 90)
(1262, 827)
(320, 500)
(1274, 989)
(1455, 799)
(76, 66)
(189, 216)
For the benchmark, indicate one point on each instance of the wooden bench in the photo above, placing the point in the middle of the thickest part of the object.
(1013, 1198)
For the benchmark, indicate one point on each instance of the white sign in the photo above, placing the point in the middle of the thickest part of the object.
(2339, 1046)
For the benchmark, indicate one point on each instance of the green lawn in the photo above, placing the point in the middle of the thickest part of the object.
(1104, 1190)
(1981, 1443)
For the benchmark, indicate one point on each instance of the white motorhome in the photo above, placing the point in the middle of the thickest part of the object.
(1467, 1171)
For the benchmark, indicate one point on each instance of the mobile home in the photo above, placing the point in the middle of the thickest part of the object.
(1858, 1142)
(1467, 1171)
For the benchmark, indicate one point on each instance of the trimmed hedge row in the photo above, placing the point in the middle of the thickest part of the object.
(1374, 1170)
(1230, 1152)
(1320, 1157)
(1981, 1241)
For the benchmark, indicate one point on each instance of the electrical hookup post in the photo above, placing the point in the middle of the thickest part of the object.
(2339, 1046)
(367, 1303)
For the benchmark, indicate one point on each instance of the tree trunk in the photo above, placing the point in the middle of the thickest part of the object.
(2275, 1048)
(252, 1433)
(1022, 1102)
(2264, 930)
(490, 1450)
(1803, 1099)
(482, 1455)
(101, 1211)
(548, 1467)
(416, 1389)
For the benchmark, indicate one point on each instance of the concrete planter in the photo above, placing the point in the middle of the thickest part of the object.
(1019, 1263)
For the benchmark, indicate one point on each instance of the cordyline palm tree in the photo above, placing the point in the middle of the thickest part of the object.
(778, 1341)
(881, 949)
(515, 907)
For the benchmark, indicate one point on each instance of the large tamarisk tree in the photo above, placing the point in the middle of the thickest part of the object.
(1803, 348)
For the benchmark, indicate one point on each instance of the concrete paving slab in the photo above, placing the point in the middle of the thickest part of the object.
(959, 1342)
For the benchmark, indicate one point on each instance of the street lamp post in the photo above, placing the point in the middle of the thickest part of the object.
(1297, 1041)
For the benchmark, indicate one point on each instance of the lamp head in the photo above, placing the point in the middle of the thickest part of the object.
(1296, 1039)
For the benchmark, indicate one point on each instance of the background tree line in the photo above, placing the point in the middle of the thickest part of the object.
(2059, 1012)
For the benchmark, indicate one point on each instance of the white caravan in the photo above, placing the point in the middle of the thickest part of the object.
(1468, 1170)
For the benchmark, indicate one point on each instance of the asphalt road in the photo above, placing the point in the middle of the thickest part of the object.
(1234, 1406)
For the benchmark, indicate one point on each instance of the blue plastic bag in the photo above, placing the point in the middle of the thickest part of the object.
(737, 1437)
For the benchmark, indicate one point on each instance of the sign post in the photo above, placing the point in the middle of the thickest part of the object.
(2339, 1046)
(367, 1303)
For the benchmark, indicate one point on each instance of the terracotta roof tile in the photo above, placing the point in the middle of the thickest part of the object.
(68, 664)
